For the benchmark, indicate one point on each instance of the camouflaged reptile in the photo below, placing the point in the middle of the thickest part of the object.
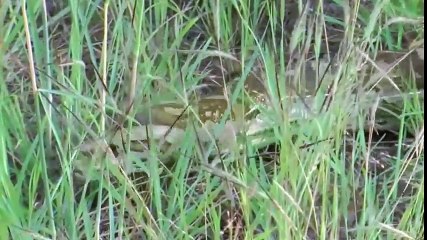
(167, 122)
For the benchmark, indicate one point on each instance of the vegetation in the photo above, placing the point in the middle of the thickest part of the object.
(70, 68)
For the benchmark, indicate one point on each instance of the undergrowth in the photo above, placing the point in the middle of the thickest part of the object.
(70, 68)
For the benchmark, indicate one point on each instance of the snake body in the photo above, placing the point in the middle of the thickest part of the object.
(167, 122)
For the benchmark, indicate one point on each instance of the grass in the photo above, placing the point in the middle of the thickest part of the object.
(62, 81)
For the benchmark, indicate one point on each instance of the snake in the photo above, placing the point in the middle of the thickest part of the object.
(215, 118)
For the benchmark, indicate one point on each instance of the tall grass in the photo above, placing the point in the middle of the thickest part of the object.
(65, 79)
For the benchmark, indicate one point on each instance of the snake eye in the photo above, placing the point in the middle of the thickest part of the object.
(115, 149)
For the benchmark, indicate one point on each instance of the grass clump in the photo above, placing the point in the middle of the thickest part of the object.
(351, 168)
